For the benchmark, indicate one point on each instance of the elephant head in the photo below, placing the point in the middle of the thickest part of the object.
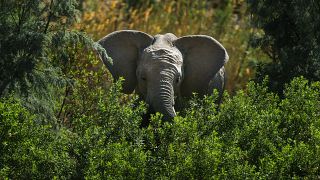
(163, 67)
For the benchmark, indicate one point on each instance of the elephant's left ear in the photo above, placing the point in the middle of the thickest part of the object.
(203, 57)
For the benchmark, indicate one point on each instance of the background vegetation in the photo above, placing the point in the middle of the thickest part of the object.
(62, 118)
(225, 20)
(290, 39)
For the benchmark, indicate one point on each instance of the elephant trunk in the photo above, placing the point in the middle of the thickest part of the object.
(164, 101)
(166, 96)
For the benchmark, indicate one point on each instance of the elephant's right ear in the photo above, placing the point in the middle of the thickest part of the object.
(124, 48)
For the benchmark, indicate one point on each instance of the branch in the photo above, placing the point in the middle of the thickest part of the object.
(49, 17)
(14, 20)
(64, 100)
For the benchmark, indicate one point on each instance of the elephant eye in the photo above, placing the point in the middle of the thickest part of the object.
(143, 78)
(178, 79)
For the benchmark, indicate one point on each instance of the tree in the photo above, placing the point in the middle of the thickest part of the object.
(26, 31)
(36, 49)
(291, 38)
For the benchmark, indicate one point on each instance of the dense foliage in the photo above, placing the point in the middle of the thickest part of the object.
(27, 29)
(41, 57)
(62, 118)
(254, 135)
(291, 38)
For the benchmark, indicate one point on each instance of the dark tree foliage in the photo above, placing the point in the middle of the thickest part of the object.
(291, 38)
(26, 31)
(36, 50)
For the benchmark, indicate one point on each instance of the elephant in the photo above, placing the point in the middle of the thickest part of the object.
(163, 68)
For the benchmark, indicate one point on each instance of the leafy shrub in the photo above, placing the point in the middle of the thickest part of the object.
(110, 142)
(31, 150)
(178, 150)
(279, 138)
(254, 134)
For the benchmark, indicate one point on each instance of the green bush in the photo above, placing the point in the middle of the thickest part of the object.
(29, 150)
(254, 134)
(279, 138)
(110, 142)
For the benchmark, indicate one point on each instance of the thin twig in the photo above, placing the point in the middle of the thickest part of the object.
(64, 100)
(49, 17)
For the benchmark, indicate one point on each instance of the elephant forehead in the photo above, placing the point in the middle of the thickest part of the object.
(168, 37)
(171, 55)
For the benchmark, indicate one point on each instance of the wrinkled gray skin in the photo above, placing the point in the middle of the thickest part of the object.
(163, 67)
